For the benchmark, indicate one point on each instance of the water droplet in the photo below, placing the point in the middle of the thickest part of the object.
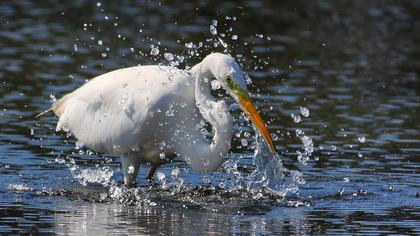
(304, 111)
(206, 179)
(75, 47)
(103, 196)
(160, 177)
(100, 43)
(98, 4)
(130, 169)
(361, 139)
(244, 142)
(169, 112)
(66, 129)
(258, 196)
(168, 56)
(274, 137)
(346, 179)
(126, 101)
(333, 147)
(213, 30)
(154, 51)
(296, 118)
(60, 160)
(234, 37)
(308, 146)
(53, 98)
(247, 134)
(162, 155)
(215, 85)
(32, 131)
(205, 163)
(103, 55)
(189, 45)
(214, 22)
(180, 58)
(175, 172)
(222, 43)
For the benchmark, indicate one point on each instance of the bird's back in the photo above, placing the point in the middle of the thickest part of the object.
(110, 112)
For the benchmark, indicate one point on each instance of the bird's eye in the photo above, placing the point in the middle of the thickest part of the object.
(228, 80)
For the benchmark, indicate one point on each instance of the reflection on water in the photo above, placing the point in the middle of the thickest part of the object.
(353, 65)
(117, 219)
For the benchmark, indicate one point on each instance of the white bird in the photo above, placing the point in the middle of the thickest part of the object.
(150, 114)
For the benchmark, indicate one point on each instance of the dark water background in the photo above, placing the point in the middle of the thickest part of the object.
(354, 64)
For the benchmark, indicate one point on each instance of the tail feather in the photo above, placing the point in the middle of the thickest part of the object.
(57, 107)
(43, 113)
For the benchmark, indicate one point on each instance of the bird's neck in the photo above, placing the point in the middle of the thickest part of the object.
(208, 157)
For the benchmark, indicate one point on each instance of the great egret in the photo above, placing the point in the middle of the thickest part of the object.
(149, 114)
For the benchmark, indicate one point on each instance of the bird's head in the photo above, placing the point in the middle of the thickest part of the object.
(225, 69)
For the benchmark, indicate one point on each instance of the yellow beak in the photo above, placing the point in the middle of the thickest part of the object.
(246, 103)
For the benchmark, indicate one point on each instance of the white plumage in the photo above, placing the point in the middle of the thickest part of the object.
(147, 114)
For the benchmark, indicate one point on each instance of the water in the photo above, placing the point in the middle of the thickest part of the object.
(353, 65)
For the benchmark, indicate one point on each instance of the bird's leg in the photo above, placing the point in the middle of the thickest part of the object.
(151, 172)
(130, 165)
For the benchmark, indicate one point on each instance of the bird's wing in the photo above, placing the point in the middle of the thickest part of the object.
(107, 113)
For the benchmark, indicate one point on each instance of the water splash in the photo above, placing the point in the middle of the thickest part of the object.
(97, 175)
(307, 146)
(267, 178)
(267, 173)
(161, 178)
(20, 188)
(271, 173)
